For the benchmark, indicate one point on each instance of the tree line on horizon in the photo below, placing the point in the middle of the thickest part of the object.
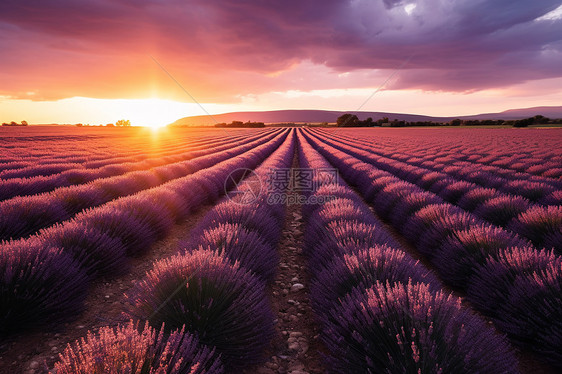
(23, 123)
(351, 120)
(120, 123)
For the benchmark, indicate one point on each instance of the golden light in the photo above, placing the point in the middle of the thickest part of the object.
(153, 113)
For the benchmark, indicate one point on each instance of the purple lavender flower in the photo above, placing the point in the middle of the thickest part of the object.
(533, 191)
(135, 234)
(408, 329)
(253, 218)
(531, 313)
(239, 245)
(96, 252)
(372, 187)
(424, 218)
(222, 303)
(386, 199)
(40, 285)
(500, 210)
(541, 225)
(493, 279)
(23, 216)
(409, 205)
(461, 253)
(439, 229)
(455, 191)
(554, 198)
(346, 236)
(337, 192)
(130, 349)
(362, 270)
(473, 198)
(149, 212)
(428, 179)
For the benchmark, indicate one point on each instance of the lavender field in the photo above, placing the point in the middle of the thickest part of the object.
(280, 250)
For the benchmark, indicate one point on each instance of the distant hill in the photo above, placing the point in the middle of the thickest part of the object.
(318, 116)
(547, 111)
(283, 116)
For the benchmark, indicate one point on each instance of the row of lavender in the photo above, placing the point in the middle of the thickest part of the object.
(515, 284)
(45, 277)
(534, 188)
(213, 289)
(20, 152)
(57, 160)
(379, 309)
(533, 158)
(25, 215)
(506, 150)
(43, 178)
(541, 224)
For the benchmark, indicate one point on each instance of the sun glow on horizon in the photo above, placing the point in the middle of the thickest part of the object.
(155, 113)
(152, 112)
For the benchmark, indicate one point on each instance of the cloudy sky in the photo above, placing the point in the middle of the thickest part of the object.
(100, 60)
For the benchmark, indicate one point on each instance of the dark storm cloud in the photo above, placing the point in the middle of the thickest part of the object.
(448, 45)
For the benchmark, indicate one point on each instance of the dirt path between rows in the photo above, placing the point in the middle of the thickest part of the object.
(296, 347)
(34, 353)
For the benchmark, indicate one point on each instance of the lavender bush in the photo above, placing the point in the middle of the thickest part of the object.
(501, 210)
(475, 197)
(40, 285)
(258, 219)
(494, 279)
(128, 349)
(408, 329)
(455, 191)
(439, 229)
(96, 252)
(339, 209)
(554, 198)
(171, 201)
(416, 226)
(238, 244)
(386, 199)
(341, 237)
(460, 254)
(542, 225)
(137, 235)
(22, 216)
(531, 314)
(76, 199)
(220, 302)
(150, 213)
(336, 192)
(409, 205)
(363, 270)
(521, 290)
(533, 191)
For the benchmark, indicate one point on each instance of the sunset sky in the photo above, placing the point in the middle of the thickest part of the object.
(96, 61)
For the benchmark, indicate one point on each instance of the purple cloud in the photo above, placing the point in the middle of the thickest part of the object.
(101, 48)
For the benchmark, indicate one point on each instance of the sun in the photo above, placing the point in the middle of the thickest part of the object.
(153, 113)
